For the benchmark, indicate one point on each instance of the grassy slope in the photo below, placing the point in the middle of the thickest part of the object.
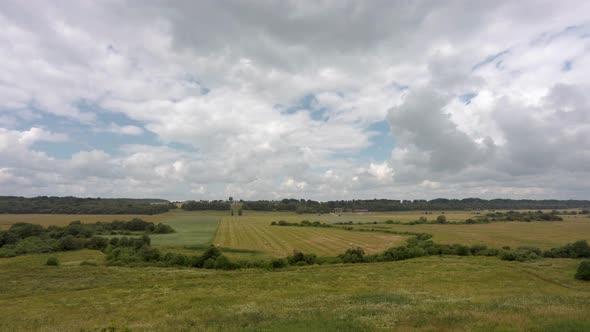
(253, 232)
(434, 293)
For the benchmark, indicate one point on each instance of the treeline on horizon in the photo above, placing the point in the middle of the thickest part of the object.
(439, 204)
(75, 205)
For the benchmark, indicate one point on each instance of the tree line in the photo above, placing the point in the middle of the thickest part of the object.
(378, 205)
(75, 205)
(26, 238)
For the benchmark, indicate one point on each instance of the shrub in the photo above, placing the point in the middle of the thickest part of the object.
(583, 272)
(477, 249)
(52, 261)
(301, 257)
(123, 256)
(163, 229)
(7, 252)
(442, 219)
(71, 242)
(211, 252)
(171, 259)
(353, 255)
(209, 263)
(529, 250)
(223, 263)
(462, 250)
(34, 245)
(23, 229)
(97, 243)
(578, 249)
(278, 263)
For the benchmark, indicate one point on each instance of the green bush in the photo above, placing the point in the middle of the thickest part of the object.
(301, 257)
(353, 255)
(278, 263)
(7, 252)
(583, 272)
(163, 229)
(52, 261)
(578, 249)
(223, 263)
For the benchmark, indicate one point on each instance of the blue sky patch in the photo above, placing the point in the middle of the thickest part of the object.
(466, 98)
(382, 143)
(489, 59)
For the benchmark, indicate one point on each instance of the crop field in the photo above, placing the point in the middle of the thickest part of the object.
(433, 293)
(255, 233)
(540, 234)
(402, 216)
(408, 216)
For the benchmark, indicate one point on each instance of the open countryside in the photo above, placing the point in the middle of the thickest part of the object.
(294, 166)
(263, 288)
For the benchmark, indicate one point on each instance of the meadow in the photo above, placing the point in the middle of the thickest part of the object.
(437, 293)
(431, 293)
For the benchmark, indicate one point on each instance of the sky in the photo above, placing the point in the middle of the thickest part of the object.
(320, 100)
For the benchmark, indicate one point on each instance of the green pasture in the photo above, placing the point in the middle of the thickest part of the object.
(430, 294)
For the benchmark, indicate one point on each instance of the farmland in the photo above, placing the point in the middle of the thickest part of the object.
(540, 234)
(442, 293)
(255, 233)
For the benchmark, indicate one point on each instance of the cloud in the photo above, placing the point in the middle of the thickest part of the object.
(122, 130)
(263, 100)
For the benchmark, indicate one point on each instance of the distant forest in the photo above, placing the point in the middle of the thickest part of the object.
(74, 205)
(439, 204)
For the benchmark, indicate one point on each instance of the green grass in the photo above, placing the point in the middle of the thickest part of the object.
(190, 231)
(431, 293)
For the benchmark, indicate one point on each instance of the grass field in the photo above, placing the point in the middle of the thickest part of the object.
(190, 231)
(431, 293)
(254, 232)
(63, 219)
(540, 234)
(434, 293)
